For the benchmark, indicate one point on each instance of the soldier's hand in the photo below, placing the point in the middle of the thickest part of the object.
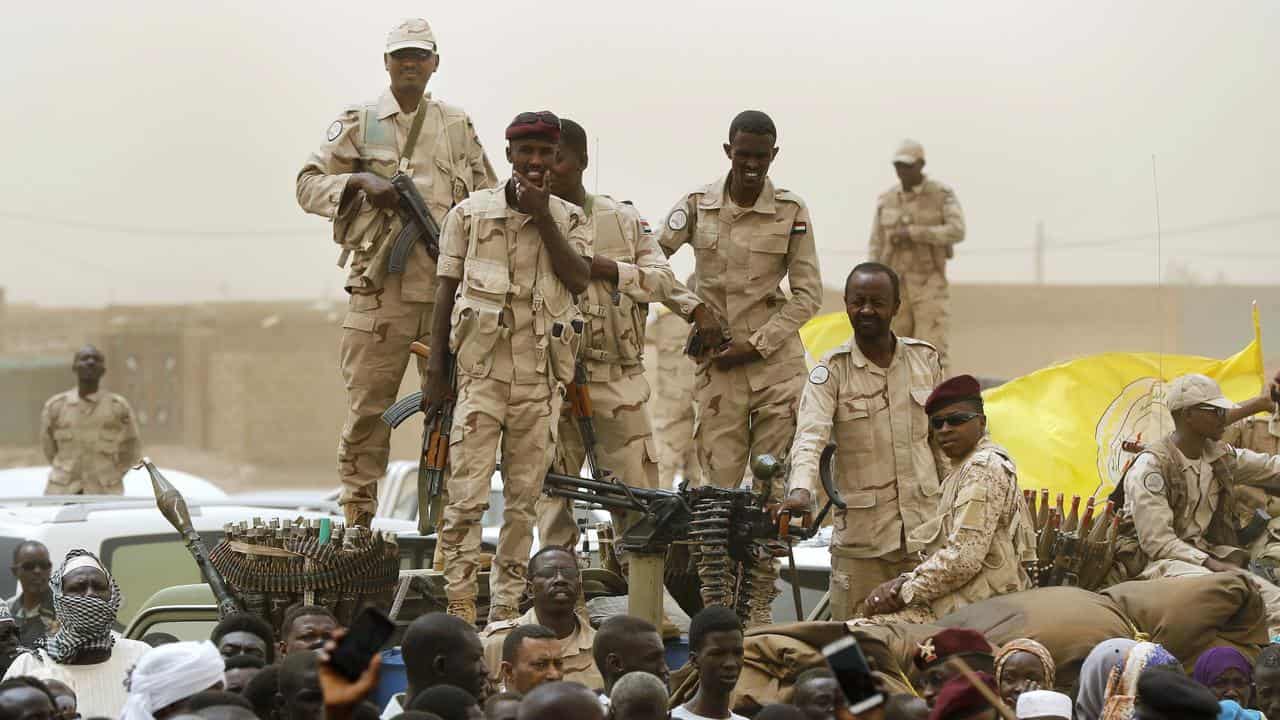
(378, 190)
(708, 328)
(434, 393)
(735, 353)
(885, 599)
(798, 502)
(532, 198)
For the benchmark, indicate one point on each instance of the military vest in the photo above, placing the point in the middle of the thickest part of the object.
(615, 323)
(492, 292)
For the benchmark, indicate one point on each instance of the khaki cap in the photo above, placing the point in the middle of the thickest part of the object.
(1190, 390)
(909, 152)
(411, 33)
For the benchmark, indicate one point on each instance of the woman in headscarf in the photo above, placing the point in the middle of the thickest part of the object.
(1023, 665)
(85, 654)
(1227, 672)
(1122, 686)
(1095, 672)
(167, 676)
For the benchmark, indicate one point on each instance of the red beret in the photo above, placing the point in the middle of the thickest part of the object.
(959, 699)
(952, 641)
(543, 123)
(960, 387)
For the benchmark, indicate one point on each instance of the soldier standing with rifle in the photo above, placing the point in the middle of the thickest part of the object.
(511, 260)
(383, 163)
(610, 424)
(747, 236)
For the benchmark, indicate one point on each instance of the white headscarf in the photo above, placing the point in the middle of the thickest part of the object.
(170, 673)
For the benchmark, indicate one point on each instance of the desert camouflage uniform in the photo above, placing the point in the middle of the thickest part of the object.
(612, 354)
(977, 543)
(90, 443)
(673, 409)
(888, 469)
(931, 214)
(1181, 511)
(742, 256)
(385, 311)
(575, 650)
(514, 346)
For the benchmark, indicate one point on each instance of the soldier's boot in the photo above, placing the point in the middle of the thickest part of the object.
(357, 515)
(464, 608)
(500, 613)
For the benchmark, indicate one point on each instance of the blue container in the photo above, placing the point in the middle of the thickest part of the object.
(677, 652)
(391, 679)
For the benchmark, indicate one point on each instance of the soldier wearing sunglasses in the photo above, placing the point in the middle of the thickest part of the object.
(32, 607)
(1178, 494)
(982, 533)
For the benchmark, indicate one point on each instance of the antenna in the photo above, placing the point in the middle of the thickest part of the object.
(596, 162)
(1155, 187)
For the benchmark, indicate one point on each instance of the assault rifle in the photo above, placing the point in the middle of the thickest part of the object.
(418, 223)
(435, 444)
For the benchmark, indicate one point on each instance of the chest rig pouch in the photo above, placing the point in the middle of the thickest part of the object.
(615, 322)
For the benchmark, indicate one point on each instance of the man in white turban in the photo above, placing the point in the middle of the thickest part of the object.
(85, 653)
(167, 676)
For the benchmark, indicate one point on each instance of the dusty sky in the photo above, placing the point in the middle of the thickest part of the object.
(153, 145)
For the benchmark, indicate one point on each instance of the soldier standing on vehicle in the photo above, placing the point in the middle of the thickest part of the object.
(915, 228)
(347, 181)
(628, 272)
(673, 407)
(868, 396)
(747, 236)
(89, 437)
(511, 260)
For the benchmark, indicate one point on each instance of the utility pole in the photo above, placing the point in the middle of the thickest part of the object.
(1039, 252)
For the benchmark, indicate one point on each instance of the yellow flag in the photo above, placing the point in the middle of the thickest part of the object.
(1065, 425)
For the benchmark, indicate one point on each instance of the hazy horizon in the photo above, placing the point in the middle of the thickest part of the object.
(157, 143)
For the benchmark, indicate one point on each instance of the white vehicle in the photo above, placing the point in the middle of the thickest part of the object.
(135, 542)
(30, 481)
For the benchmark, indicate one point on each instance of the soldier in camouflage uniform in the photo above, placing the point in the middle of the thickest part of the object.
(982, 534)
(347, 181)
(89, 437)
(673, 372)
(628, 272)
(868, 397)
(747, 237)
(916, 226)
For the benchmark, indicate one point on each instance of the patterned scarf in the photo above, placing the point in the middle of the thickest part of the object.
(85, 622)
(1032, 647)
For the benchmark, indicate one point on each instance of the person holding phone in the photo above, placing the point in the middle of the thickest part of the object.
(981, 535)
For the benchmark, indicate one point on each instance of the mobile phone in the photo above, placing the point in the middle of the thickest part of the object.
(366, 636)
(854, 674)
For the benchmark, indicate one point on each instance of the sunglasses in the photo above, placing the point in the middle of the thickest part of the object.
(33, 565)
(533, 118)
(1220, 412)
(954, 419)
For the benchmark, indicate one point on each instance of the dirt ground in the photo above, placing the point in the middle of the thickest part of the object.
(231, 476)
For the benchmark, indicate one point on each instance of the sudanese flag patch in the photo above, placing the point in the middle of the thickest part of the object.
(799, 227)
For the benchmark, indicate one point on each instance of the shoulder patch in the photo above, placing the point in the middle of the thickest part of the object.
(819, 375)
(1154, 483)
(644, 227)
(678, 219)
(334, 131)
(799, 227)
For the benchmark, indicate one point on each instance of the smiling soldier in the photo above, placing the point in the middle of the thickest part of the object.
(747, 236)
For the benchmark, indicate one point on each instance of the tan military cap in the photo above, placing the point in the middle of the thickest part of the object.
(411, 33)
(909, 152)
(1190, 390)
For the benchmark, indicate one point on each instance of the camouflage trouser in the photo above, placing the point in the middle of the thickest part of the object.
(734, 423)
(673, 435)
(624, 445)
(925, 313)
(374, 355)
(518, 419)
(853, 579)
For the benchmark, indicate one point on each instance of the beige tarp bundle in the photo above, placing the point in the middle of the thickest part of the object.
(1187, 615)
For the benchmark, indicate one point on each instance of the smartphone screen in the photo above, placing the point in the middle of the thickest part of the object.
(854, 674)
(366, 636)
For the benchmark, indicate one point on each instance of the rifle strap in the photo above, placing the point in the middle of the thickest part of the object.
(411, 140)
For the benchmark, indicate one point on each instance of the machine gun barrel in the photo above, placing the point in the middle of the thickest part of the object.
(174, 508)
